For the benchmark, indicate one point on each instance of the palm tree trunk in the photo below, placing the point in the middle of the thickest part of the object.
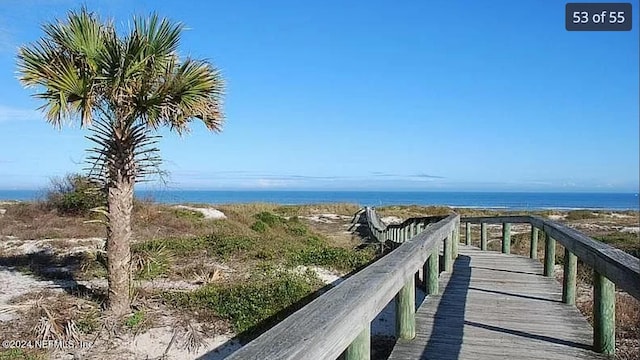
(120, 206)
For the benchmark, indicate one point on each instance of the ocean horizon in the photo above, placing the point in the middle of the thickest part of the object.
(487, 200)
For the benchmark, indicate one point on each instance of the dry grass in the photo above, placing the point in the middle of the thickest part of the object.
(327, 208)
(48, 315)
(409, 211)
(33, 221)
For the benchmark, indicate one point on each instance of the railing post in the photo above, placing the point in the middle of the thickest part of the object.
(431, 271)
(448, 258)
(549, 254)
(533, 250)
(569, 277)
(406, 311)
(604, 315)
(467, 239)
(506, 238)
(454, 243)
(483, 236)
(360, 347)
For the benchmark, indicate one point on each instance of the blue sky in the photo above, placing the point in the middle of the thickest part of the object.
(384, 95)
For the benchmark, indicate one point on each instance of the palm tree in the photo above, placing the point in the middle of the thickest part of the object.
(122, 87)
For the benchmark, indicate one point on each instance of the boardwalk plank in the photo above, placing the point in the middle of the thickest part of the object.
(497, 306)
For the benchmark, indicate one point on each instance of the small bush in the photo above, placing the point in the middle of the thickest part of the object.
(188, 214)
(581, 215)
(226, 246)
(220, 245)
(332, 257)
(150, 259)
(269, 218)
(74, 195)
(272, 296)
(259, 226)
(297, 229)
(135, 321)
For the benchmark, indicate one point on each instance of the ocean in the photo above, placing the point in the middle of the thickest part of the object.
(491, 200)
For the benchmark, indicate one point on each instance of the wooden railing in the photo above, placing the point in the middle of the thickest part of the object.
(610, 266)
(339, 321)
(398, 233)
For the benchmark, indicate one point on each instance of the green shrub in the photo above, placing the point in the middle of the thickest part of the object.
(220, 245)
(581, 215)
(150, 259)
(254, 305)
(74, 195)
(226, 246)
(332, 257)
(259, 226)
(270, 219)
(188, 214)
(134, 321)
(299, 229)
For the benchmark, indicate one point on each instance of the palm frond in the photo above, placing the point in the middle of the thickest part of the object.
(161, 36)
(193, 89)
(65, 64)
(82, 35)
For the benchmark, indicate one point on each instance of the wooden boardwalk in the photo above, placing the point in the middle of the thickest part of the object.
(497, 306)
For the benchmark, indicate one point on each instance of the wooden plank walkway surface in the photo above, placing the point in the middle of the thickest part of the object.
(497, 306)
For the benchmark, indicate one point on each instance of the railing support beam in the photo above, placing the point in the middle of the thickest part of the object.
(447, 253)
(455, 243)
(549, 255)
(483, 236)
(604, 315)
(360, 348)
(430, 273)
(506, 238)
(406, 311)
(569, 277)
(467, 239)
(533, 249)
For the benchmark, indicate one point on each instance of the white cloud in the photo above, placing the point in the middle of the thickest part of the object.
(273, 183)
(15, 114)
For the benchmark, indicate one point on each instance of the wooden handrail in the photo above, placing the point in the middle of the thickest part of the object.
(324, 328)
(396, 232)
(610, 266)
(616, 265)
